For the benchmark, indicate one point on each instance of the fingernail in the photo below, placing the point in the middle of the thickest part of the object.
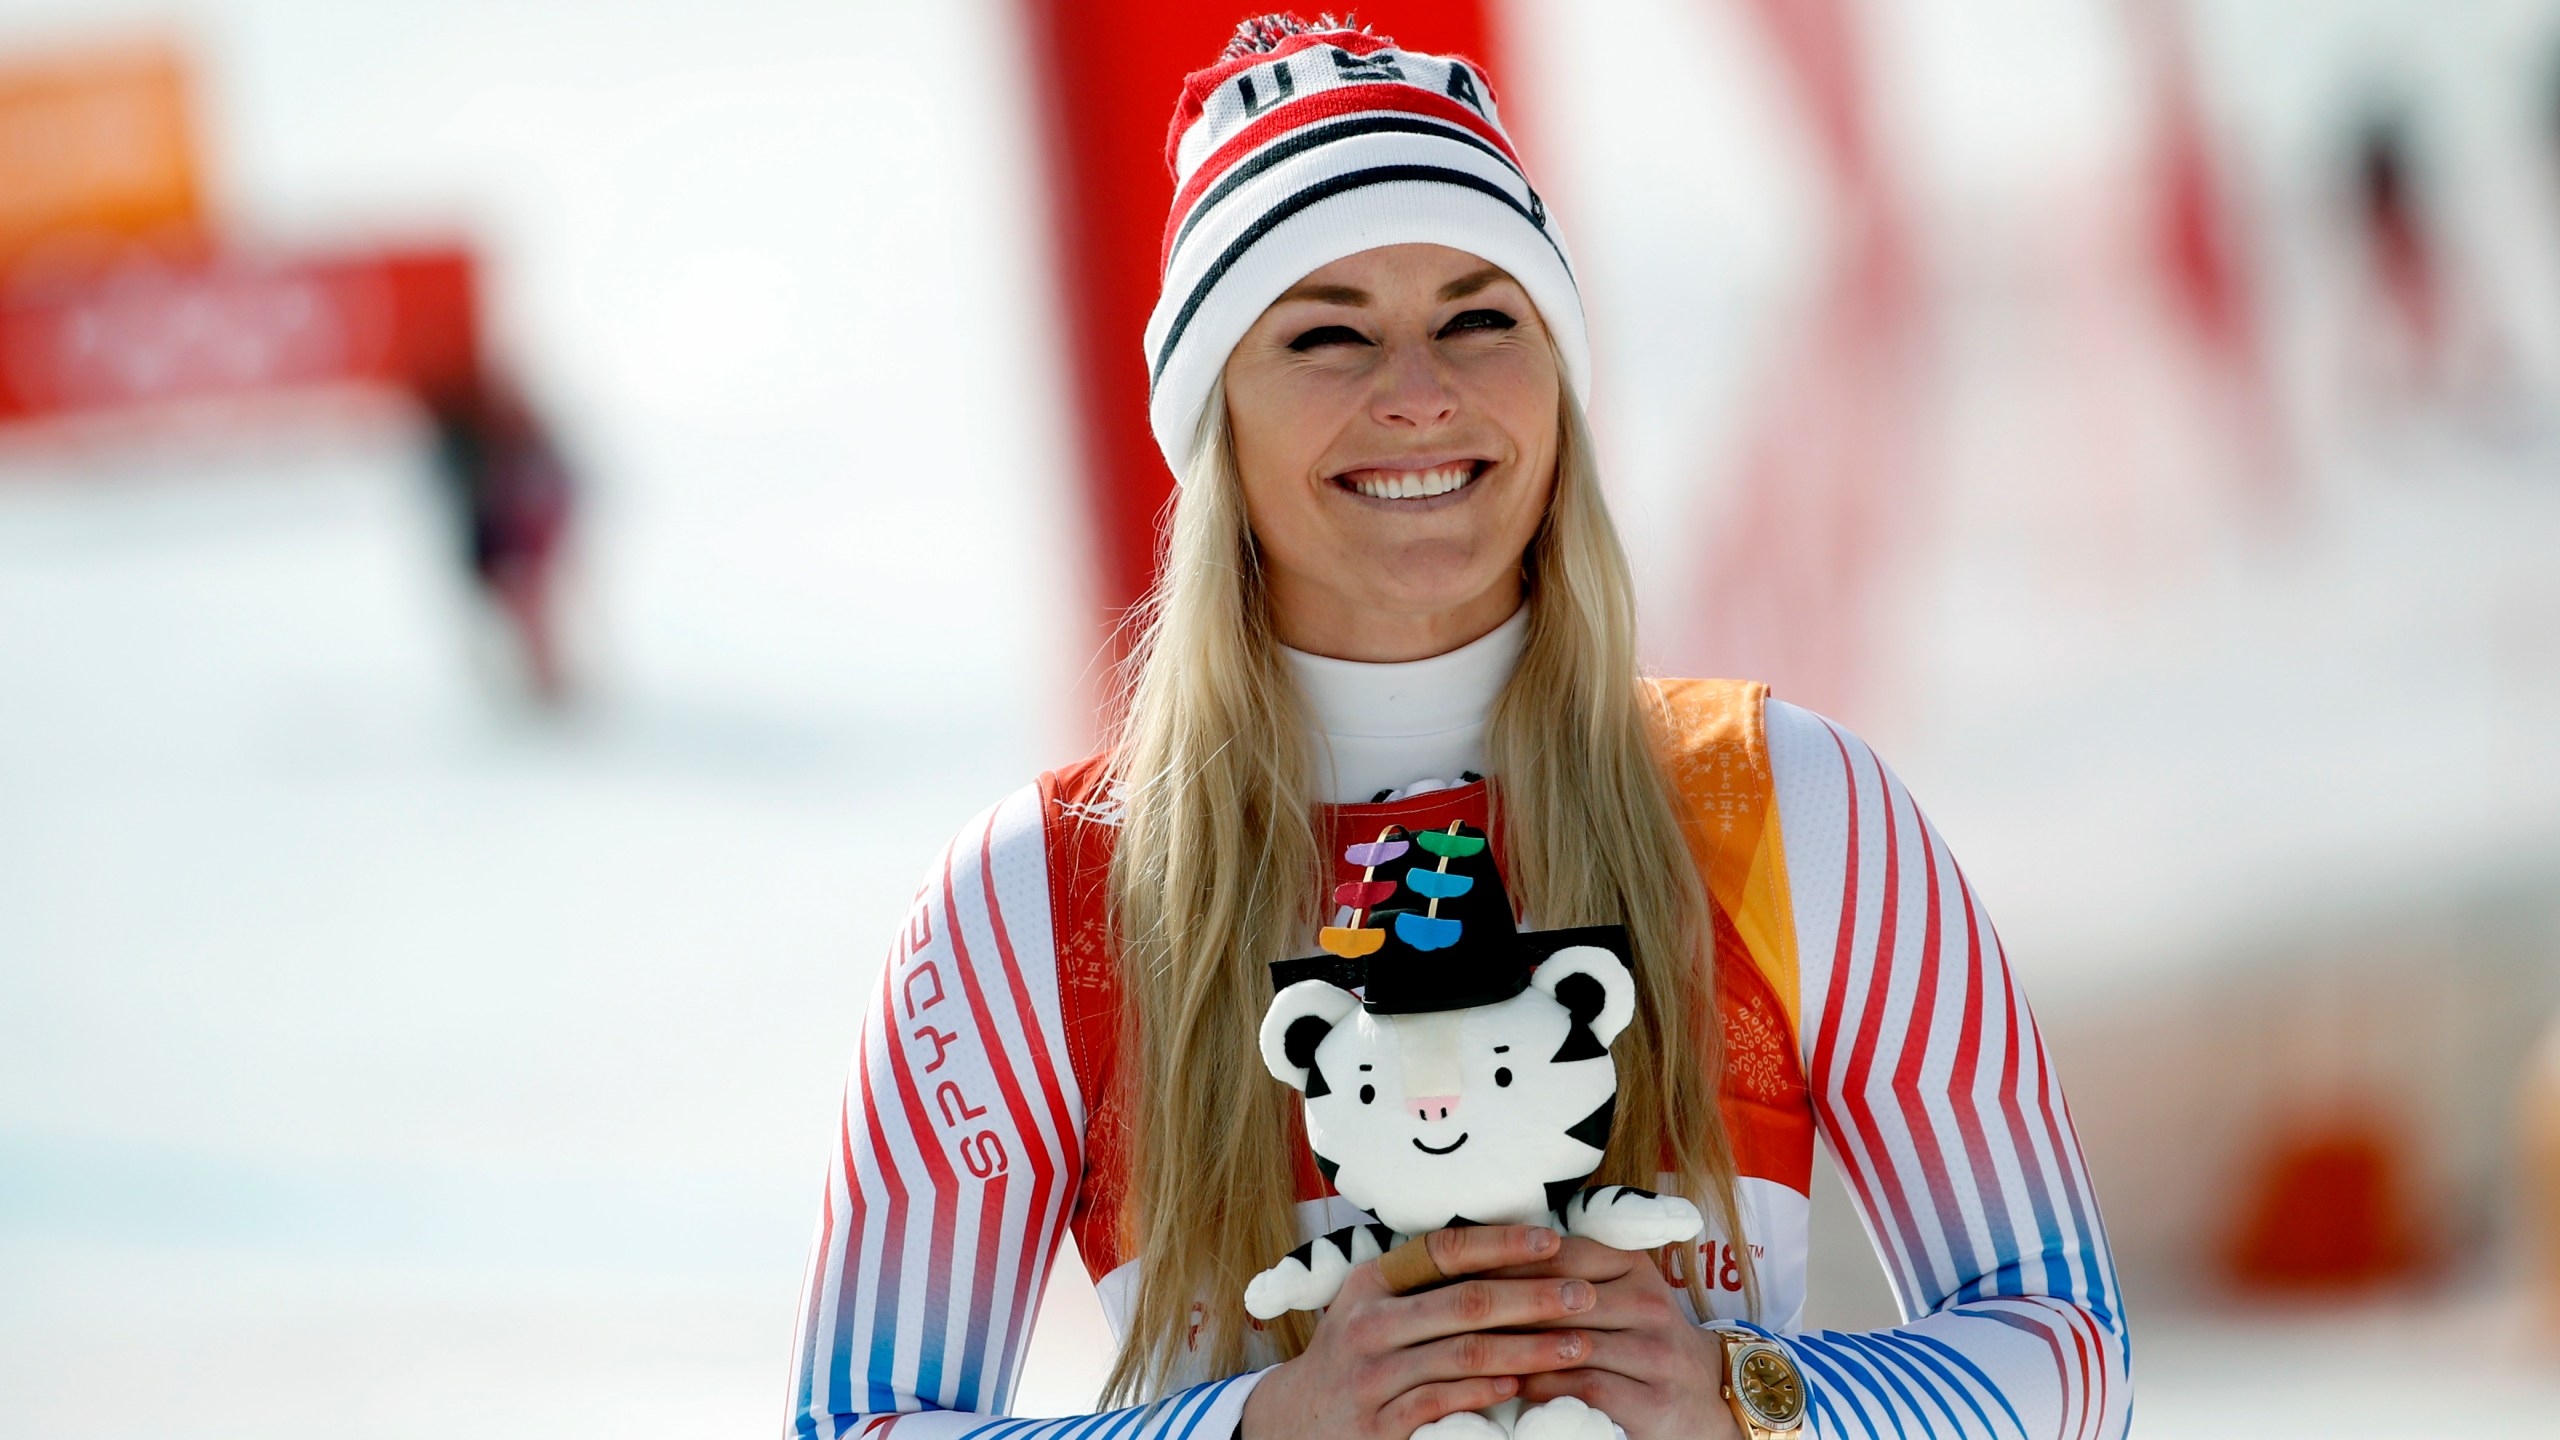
(1577, 1295)
(1569, 1348)
(1541, 1240)
(1505, 1384)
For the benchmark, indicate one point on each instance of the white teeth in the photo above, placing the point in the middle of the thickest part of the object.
(1413, 484)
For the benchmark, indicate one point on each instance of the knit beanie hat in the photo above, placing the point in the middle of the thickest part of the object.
(1307, 142)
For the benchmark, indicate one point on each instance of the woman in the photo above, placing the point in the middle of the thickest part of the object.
(1389, 572)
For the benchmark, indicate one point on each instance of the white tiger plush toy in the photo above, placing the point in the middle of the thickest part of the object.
(1469, 1083)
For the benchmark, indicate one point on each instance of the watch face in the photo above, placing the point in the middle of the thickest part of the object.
(1765, 1379)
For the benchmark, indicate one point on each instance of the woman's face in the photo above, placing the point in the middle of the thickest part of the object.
(1395, 418)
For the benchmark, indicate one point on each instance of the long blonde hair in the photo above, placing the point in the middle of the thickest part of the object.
(1218, 872)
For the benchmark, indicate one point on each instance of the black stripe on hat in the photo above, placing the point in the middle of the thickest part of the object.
(1344, 129)
(1316, 194)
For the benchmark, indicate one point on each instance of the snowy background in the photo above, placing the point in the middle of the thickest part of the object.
(380, 1058)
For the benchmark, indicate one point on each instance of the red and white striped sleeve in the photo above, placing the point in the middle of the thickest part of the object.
(1936, 1096)
(953, 1171)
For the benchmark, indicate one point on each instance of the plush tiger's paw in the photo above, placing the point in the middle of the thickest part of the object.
(1565, 1418)
(1623, 1217)
(1308, 1277)
(1465, 1425)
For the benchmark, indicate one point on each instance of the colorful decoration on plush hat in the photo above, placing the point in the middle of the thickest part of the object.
(1430, 927)
(1354, 940)
(1456, 1071)
(1426, 931)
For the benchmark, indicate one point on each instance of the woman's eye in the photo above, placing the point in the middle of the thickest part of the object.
(1478, 320)
(1328, 335)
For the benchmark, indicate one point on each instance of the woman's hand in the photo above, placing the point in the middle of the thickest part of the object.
(1381, 1365)
(1656, 1374)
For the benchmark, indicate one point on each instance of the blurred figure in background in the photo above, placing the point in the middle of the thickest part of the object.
(511, 496)
(2405, 262)
(2407, 269)
(2442, 322)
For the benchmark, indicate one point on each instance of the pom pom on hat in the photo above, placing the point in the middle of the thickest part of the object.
(1264, 33)
(1311, 140)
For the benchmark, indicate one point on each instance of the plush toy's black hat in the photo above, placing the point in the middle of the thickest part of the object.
(1432, 929)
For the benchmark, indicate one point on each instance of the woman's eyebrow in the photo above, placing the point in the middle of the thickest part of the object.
(1457, 289)
(1466, 285)
(1330, 294)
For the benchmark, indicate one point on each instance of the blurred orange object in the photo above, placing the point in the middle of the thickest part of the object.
(2329, 1208)
(2542, 1173)
(97, 157)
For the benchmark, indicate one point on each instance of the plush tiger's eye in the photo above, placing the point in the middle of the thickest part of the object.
(1502, 1076)
(1368, 1094)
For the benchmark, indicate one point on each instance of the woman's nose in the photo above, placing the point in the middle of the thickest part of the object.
(1433, 1107)
(1413, 391)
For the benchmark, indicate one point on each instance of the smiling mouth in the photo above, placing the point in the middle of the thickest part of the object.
(1443, 1150)
(1413, 484)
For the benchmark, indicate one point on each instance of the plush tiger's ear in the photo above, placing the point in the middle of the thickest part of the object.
(1297, 1022)
(1593, 986)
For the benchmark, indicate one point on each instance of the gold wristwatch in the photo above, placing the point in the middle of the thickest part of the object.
(1761, 1383)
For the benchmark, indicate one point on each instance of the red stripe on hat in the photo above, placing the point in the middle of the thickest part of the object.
(1200, 84)
(1333, 104)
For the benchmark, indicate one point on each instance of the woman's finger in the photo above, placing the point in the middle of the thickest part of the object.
(1634, 1302)
(1617, 1396)
(1474, 1249)
(1485, 1352)
(1636, 1355)
(1578, 1258)
(1423, 1404)
(1471, 1305)
(1468, 1250)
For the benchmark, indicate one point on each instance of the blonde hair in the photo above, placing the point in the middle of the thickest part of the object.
(1218, 872)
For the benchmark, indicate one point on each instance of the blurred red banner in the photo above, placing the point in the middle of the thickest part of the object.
(145, 335)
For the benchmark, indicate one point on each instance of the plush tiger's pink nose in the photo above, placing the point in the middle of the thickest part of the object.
(1433, 1107)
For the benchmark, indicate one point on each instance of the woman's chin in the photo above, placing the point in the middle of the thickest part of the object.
(1460, 593)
